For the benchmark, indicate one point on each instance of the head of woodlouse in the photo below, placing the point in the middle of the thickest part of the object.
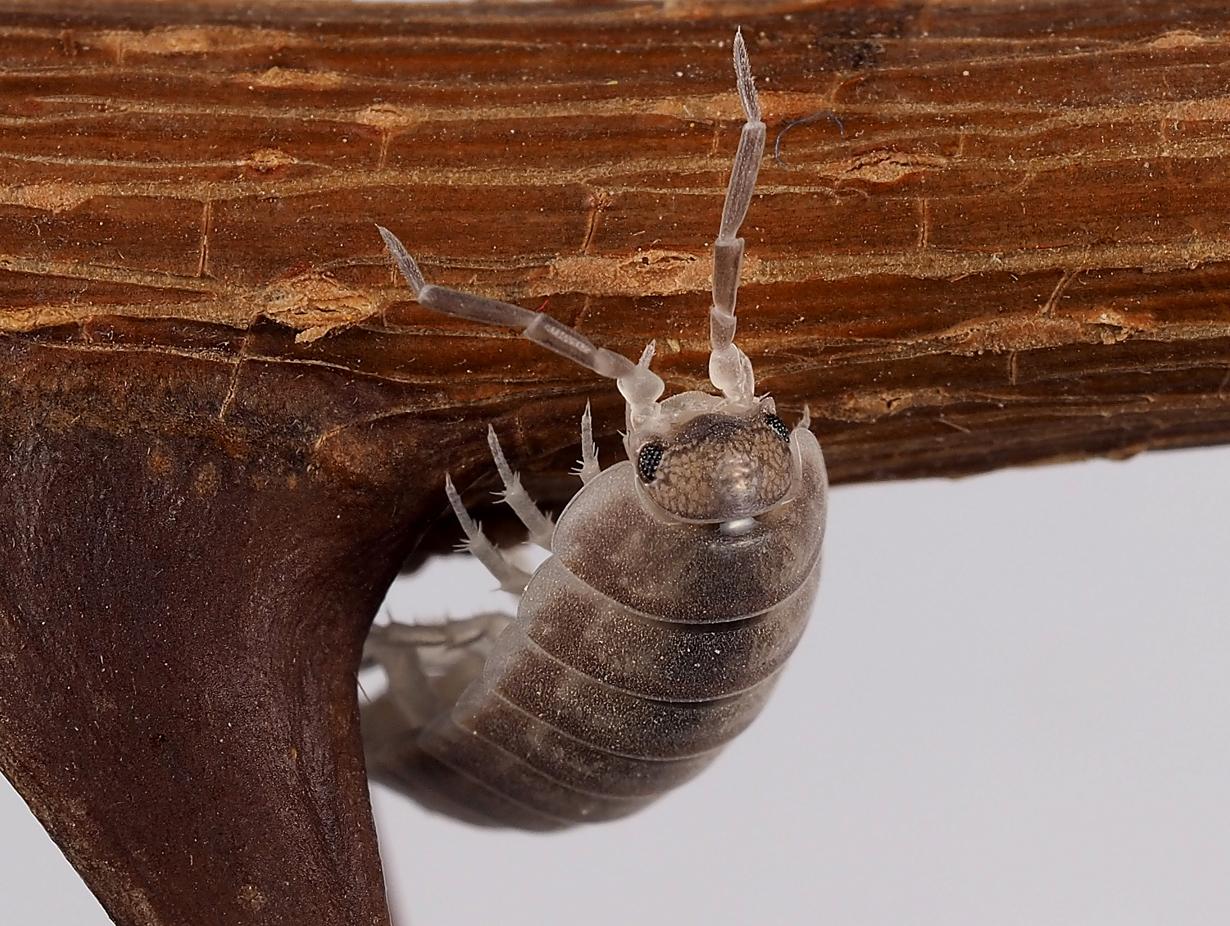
(716, 466)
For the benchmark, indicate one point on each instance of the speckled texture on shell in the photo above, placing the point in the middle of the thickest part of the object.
(720, 467)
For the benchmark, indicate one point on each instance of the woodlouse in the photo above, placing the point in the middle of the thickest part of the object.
(679, 581)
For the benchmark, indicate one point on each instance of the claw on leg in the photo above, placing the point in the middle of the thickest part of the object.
(538, 524)
(512, 578)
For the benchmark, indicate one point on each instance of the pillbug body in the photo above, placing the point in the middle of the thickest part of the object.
(679, 581)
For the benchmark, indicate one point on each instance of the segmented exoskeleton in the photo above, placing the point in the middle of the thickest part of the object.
(678, 583)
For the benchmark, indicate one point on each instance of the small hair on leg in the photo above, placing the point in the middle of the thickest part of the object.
(528, 513)
(730, 371)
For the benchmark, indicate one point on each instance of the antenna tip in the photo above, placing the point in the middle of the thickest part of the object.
(744, 80)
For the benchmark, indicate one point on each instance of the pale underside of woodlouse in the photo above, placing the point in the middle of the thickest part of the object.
(679, 580)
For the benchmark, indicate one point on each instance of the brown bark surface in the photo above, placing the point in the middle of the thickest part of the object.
(224, 424)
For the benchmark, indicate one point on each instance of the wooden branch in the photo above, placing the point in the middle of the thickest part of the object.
(225, 424)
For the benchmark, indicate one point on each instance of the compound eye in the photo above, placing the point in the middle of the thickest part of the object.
(647, 460)
(779, 427)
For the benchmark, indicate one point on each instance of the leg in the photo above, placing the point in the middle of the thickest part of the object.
(512, 578)
(589, 453)
(537, 523)
(537, 326)
(639, 385)
(428, 665)
(729, 369)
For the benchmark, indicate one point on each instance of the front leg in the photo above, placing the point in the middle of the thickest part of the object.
(429, 665)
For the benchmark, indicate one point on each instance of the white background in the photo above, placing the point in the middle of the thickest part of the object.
(1012, 707)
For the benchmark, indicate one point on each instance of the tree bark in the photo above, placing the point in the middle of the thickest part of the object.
(987, 234)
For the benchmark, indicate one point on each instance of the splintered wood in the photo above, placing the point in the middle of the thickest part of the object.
(985, 234)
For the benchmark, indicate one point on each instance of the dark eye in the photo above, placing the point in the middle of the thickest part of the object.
(778, 426)
(647, 460)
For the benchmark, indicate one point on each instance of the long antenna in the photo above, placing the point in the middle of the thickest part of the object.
(729, 369)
